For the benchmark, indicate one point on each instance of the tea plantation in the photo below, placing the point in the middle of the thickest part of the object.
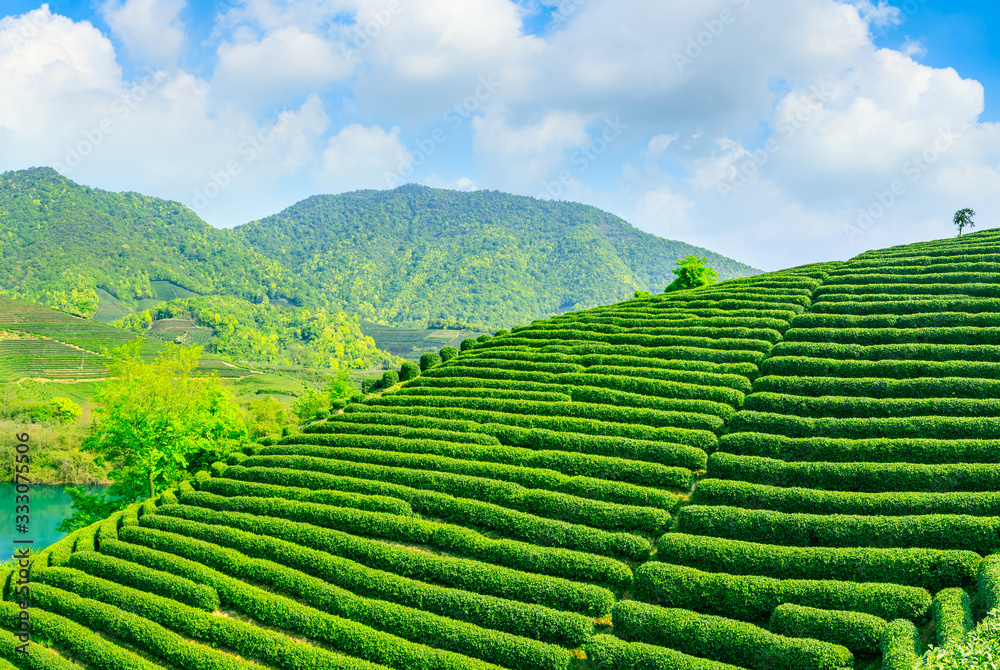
(798, 470)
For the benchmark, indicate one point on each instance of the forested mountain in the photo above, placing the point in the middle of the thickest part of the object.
(404, 257)
(61, 242)
(417, 254)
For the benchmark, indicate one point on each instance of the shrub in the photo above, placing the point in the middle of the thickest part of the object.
(857, 631)
(936, 427)
(933, 531)
(752, 598)
(467, 344)
(465, 511)
(870, 477)
(408, 370)
(850, 450)
(838, 407)
(429, 360)
(567, 463)
(812, 501)
(389, 379)
(900, 646)
(309, 507)
(952, 611)
(145, 579)
(724, 640)
(455, 573)
(579, 410)
(930, 569)
(567, 507)
(249, 641)
(527, 620)
(609, 653)
(229, 571)
(988, 581)
(448, 353)
(591, 426)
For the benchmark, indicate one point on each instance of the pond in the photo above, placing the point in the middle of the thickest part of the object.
(48, 506)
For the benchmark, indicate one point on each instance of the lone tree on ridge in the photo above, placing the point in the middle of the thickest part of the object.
(963, 218)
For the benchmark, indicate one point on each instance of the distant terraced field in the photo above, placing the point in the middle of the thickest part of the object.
(798, 470)
(44, 343)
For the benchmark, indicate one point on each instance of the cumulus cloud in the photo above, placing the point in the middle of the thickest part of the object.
(358, 157)
(150, 29)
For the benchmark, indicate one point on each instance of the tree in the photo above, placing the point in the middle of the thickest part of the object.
(692, 273)
(153, 420)
(963, 218)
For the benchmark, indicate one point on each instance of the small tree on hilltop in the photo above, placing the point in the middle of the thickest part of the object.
(692, 273)
(963, 218)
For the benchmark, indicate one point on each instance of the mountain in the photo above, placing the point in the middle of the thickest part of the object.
(417, 254)
(72, 247)
(410, 256)
(837, 423)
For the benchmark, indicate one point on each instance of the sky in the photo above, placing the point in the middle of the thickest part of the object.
(777, 132)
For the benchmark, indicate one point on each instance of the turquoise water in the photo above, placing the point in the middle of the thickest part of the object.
(48, 505)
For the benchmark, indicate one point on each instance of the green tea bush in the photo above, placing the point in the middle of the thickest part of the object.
(952, 609)
(812, 501)
(408, 370)
(870, 477)
(724, 640)
(654, 388)
(930, 569)
(900, 646)
(566, 463)
(82, 643)
(947, 387)
(249, 641)
(694, 437)
(465, 511)
(429, 359)
(857, 631)
(579, 410)
(610, 653)
(543, 502)
(143, 578)
(957, 335)
(847, 450)
(881, 407)
(527, 620)
(230, 571)
(936, 427)
(456, 573)
(974, 353)
(932, 531)
(752, 598)
(817, 364)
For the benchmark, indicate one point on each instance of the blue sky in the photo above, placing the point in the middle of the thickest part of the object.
(779, 132)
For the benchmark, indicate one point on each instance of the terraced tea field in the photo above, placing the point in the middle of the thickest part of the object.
(39, 342)
(798, 470)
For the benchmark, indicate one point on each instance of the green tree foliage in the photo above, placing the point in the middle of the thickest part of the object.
(429, 360)
(409, 370)
(266, 333)
(153, 420)
(963, 218)
(692, 273)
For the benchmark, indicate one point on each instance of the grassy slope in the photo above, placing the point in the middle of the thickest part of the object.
(501, 510)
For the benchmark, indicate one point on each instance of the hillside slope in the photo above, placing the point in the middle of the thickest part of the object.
(501, 510)
(416, 254)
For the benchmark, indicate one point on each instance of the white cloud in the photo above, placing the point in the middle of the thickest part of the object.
(287, 60)
(358, 157)
(150, 29)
